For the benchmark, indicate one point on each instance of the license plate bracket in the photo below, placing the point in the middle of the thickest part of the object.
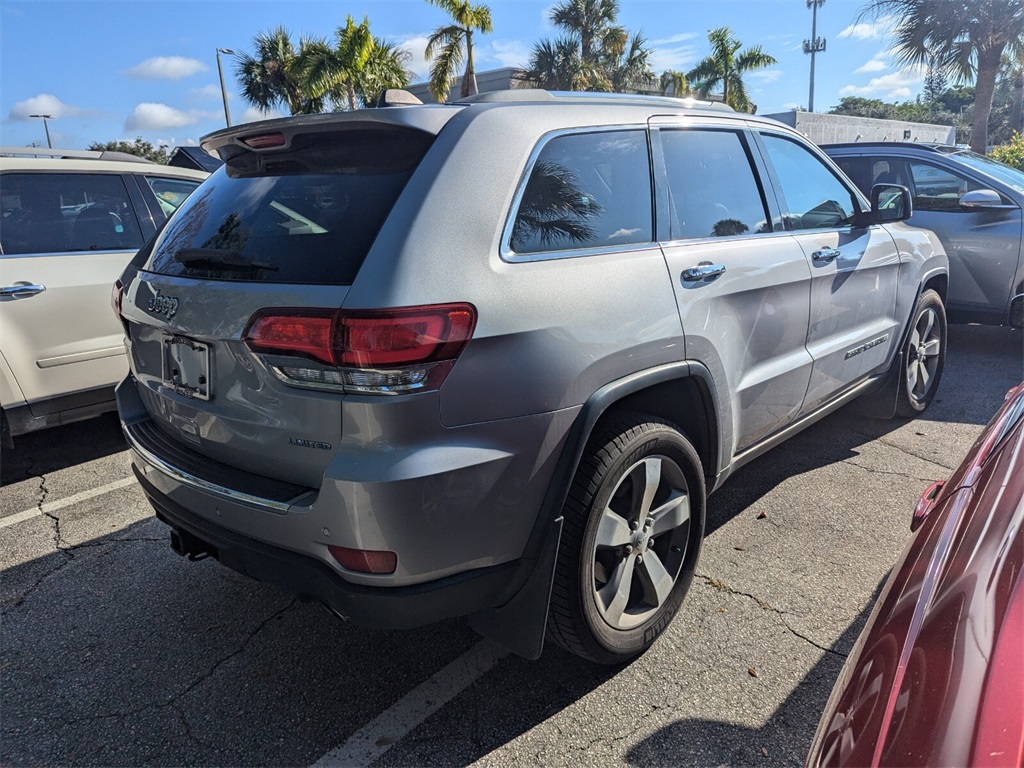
(186, 367)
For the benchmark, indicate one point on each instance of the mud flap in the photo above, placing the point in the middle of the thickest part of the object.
(880, 403)
(520, 624)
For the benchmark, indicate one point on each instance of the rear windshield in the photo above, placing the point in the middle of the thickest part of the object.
(309, 215)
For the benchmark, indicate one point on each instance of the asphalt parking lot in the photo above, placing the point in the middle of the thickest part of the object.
(115, 651)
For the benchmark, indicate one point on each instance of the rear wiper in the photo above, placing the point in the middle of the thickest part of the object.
(219, 258)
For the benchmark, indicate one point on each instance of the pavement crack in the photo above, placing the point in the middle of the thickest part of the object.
(721, 586)
(874, 471)
(930, 459)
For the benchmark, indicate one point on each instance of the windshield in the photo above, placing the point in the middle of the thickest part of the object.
(1011, 177)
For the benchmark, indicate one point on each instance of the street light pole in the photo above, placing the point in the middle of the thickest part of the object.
(814, 45)
(223, 90)
(46, 126)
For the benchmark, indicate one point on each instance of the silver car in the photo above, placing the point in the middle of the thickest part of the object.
(488, 358)
(972, 203)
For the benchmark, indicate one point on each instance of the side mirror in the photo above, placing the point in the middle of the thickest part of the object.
(984, 199)
(890, 202)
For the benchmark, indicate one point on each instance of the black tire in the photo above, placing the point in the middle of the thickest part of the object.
(636, 470)
(923, 356)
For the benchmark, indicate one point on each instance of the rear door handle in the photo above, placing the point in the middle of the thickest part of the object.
(703, 271)
(826, 255)
(24, 289)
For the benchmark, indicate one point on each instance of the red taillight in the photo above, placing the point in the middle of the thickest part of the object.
(402, 337)
(265, 141)
(365, 560)
(391, 350)
(307, 335)
(925, 505)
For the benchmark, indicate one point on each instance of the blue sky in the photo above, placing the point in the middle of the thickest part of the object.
(116, 70)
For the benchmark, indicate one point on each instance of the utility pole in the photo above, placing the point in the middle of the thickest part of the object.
(46, 125)
(223, 90)
(813, 46)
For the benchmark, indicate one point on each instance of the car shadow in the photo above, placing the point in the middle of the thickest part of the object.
(50, 450)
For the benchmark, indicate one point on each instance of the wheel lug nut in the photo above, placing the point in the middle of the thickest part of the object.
(633, 525)
(648, 522)
(629, 549)
(639, 559)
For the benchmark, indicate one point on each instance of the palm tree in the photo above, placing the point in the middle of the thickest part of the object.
(595, 54)
(593, 23)
(629, 68)
(272, 76)
(386, 68)
(726, 66)
(556, 65)
(448, 45)
(967, 39)
(334, 72)
(674, 83)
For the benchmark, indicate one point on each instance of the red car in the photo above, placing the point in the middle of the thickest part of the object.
(937, 675)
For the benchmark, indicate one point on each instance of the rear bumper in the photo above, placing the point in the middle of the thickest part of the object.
(381, 607)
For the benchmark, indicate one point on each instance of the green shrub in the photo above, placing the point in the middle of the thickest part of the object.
(1011, 153)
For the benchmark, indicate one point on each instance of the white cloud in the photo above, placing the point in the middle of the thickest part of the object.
(509, 53)
(416, 45)
(674, 39)
(210, 91)
(766, 75)
(791, 105)
(166, 68)
(863, 31)
(252, 115)
(897, 85)
(875, 65)
(673, 53)
(153, 117)
(45, 104)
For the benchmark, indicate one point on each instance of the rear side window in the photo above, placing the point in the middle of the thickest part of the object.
(586, 190)
(309, 215)
(814, 195)
(61, 212)
(713, 191)
(170, 193)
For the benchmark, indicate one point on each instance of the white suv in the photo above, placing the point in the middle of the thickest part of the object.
(70, 221)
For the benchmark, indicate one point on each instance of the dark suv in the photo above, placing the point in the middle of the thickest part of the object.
(973, 204)
(419, 362)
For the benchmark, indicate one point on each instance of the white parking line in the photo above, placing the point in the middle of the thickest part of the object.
(53, 506)
(380, 734)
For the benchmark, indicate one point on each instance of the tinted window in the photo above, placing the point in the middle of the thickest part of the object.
(170, 193)
(309, 215)
(815, 198)
(586, 190)
(60, 212)
(712, 186)
(938, 189)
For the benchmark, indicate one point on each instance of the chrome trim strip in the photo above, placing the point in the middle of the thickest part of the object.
(198, 483)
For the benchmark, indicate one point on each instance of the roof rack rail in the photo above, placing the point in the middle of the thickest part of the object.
(541, 95)
(76, 154)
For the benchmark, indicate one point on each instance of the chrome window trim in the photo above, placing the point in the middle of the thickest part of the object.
(512, 257)
(185, 478)
(41, 254)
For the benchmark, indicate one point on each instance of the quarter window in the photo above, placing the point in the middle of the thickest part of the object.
(713, 191)
(60, 212)
(170, 193)
(586, 190)
(815, 198)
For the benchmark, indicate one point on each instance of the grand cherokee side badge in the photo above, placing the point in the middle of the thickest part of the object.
(163, 305)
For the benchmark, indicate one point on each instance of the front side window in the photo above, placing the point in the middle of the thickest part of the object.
(170, 193)
(815, 197)
(586, 190)
(938, 189)
(61, 212)
(712, 187)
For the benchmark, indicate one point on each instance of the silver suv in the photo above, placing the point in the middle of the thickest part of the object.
(487, 358)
